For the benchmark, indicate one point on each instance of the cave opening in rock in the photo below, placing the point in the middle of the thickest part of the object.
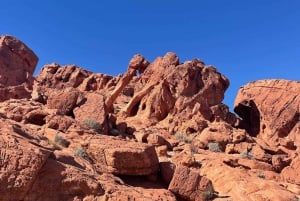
(250, 115)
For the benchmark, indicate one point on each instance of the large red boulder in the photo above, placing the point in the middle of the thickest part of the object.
(92, 107)
(270, 109)
(64, 101)
(17, 61)
(189, 185)
(122, 157)
(17, 64)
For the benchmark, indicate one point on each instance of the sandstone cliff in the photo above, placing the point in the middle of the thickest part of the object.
(157, 132)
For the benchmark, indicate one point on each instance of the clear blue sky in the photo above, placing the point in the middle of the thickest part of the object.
(245, 39)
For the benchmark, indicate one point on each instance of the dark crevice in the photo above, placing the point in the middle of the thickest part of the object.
(144, 106)
(38, 119)
(191, 130)
(135, 109)
(81, 102)
(234, 164)
(250, 115)
(79, 79)
(144, 182)
(71, 114)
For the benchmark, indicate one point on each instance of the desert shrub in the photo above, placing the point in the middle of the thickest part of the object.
(209, 193)
(194, 149)
(93, 124)
(246, 154)
(61, 141)
(183, 138)
(81, 153)
(261, 175)
(214, 146)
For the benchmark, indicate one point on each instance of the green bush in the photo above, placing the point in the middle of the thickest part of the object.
(261, 175)
(194, 149)
(209, 193)
(81, 153)
(214, 146)
(183, 138)
(61, 141)
(246, 154)
(93, 124)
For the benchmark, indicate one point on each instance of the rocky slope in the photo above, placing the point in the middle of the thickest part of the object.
(157, 132)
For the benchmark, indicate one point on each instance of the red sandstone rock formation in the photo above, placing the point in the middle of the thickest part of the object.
(270, 109)
(158, 132)
(178, 97)
(17, 64)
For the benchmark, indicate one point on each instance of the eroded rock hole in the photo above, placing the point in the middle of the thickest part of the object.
(38, 119)
(250, 115)
(135, 109)
(71, 114)
(144, 106)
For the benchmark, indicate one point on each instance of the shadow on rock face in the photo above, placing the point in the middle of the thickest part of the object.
(286, 128)
(250, 115)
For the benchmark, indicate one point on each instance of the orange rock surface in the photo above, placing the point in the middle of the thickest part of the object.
(157, 132)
